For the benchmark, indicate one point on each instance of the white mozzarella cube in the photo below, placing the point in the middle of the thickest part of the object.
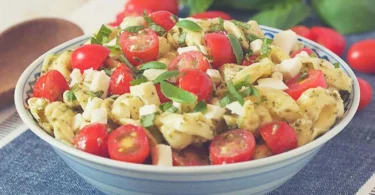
(76, 77)
(148, 109)
(79, 122)
(236, 108)
(201, 48)
(256, 46)
(285, 40)
(92, 104)
(99, 116)
(302, 54)
(100, 82)
(88, 75)
(289, 68)
(177, 105)
(214, 112)
(152, 74)
(272, 83)
(214, 75)
(162, 155)
(277, 75)
(132, 21)
(147, 92)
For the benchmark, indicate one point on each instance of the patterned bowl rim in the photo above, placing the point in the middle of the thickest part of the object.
(28, 120)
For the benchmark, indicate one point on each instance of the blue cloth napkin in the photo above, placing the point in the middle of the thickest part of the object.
(28, 165)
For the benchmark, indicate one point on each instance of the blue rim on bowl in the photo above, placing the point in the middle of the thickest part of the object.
(20, 97)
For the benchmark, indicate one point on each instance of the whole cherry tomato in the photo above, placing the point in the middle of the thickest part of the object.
(135, 7)
(361, 56)
(190, 59)
(220, 49)
(329, 38)
(51, 86)
(197, 82)
(212, 14)
(365, 93)
(302, 31)
(89, 56)
(164, 19)
(93, 139)
(120, 80)
(279, 137)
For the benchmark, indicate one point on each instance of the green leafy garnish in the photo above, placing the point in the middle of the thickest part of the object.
(128, 64)
(95, 94)
(303, 76)
(251, 37)
(226, 100)
(177, 94)
(236, 46)
(108, 71)
(265, 50)
(153, 26)
(138, 80)
(189, 25)
(233, 91)
(70, 96)
(182, 39)
(218, 27)
(242, 25)
(148, 120)
(313, 55)
(166, 75)
(134, 29)
(102, 36)
(153, 65)
(200, 107)
(336, 64)
(168, 107)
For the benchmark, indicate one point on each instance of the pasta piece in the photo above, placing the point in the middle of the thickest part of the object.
(303, 129)
(37, 107)
(126, 107)
(262, 151)
(62, 121)
(167, 59)
(277, 55)
(164, 47)
(230, 27)
(250, 121)
(132, 21)
(255, 71)
(228, 71)
(173, 36)
(61, 63)
(254, 29)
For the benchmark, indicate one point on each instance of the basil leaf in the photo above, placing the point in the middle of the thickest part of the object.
(128, 64)
(153, 26)
(347, 16)
(283, 14)
(336, 64)
(197, 6)
(200, 107)
(189, 25)
(108, 71)
(153, 65)
(70, 96)
(166, 75)
(303, 76)
(182, 39)
(168, 107)
(232, 90)
(177, 94)
(148, 120)
(218, 27)
(240, 24)
(226, 100)
(138, 80)
(265, 50)
(236, 46)
(243, 83)
(95, 94)
(102, 36)
(251, 37)
(134, 29)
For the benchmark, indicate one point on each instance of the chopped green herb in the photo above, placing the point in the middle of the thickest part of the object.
(153, 26)
(226, 100)
(108, 71)
(240, 24)
(232, 90)
(102, 36)
(336, 64)
(189, 25)
(177, 94)
(265, 50)
(138, 80)
(313, 55)
(168, 107)
(303, 76)
(182, 39)
(153, 65)
(128, 64)
(95, 94)
(201, 106)
(166, 75)
(218, 27)
(243, 83)
(251, 37)
(236, 46)
(148, 120)
(70, 96)
(134, 29)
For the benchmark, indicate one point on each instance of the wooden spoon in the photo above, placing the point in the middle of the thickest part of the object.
(23, 43)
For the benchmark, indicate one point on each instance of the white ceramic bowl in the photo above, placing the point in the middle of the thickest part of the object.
(253, 177)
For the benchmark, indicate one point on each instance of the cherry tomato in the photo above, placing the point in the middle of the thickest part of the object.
(298, 85)
(249, 61)
(120, 80)
(119, 18)
(51, 86)
(365, 93)
(232, 146)
(212, 14)
(279, 137)
(197, 82)
(162, 97)
(302, 31)
(164, 19)
(329, 38)
(93, 139)
(307, 50)
(190, 156)
(140, 47)
(89, 56)
(129, 143)
(190, 59)
(219, 47)
(136, 6)
(361, 56)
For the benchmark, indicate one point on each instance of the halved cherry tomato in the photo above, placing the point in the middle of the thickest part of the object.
(136, 6)
(219, 47)
(129, 143)
(197, 82)
(93, 139)
(249, 61)
(361, 56)
(298, 85)
(190, 156)
(190, 59)
(162, 97)
(307, 50)
(140, 47)
(89, 56)
(120, 80)
(51, 86)
(164, 19)
(279, 137)
(302, 31)
(212, 14)
(232, 146)
(365, 93)
(329, 38)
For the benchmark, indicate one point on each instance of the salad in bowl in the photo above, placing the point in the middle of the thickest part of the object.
(172, 91)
